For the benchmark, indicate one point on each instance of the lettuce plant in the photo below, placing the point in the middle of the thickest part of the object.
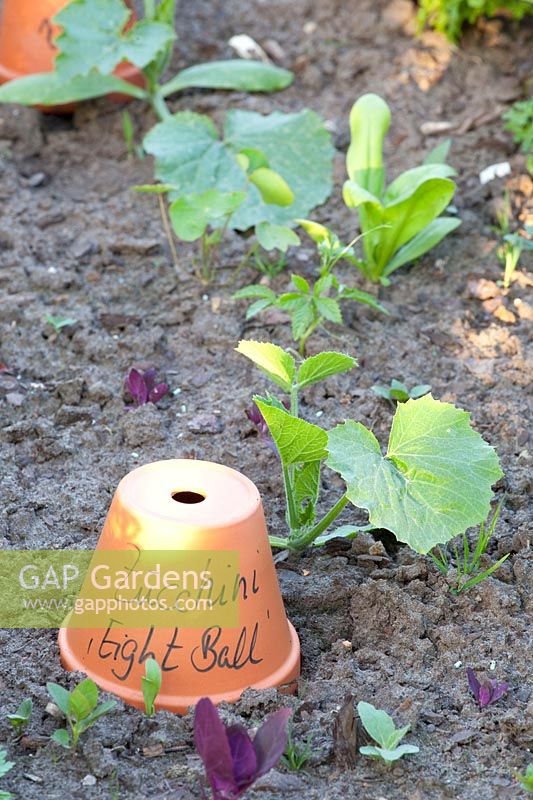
(399, 222)
(97, 35)
(20, 719)
(416, 490)
(81, 709)
(380, 726)
(232, 760)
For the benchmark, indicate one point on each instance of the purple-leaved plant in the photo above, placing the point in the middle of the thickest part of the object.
(259, 422)
(232, 760)
(142, 387)
(485, 693)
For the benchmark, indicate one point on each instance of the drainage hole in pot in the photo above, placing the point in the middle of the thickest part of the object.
(190, 498)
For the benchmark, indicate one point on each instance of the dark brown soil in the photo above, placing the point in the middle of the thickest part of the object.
(375, 621)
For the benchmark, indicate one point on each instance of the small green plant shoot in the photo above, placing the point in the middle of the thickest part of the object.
(58, 322)
(525, 778)
(98, 35)
(81, 709)
(151, 685)
(5, 766)
(509, 252)
(451, 16)
(20, 719)
(415, 490)
(467, 564)
(380, 726)
(399, 393)
(296, 755)
(308, 305)
(519, 121)
(399, 222)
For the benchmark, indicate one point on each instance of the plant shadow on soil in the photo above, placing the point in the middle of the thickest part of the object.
(374, 621)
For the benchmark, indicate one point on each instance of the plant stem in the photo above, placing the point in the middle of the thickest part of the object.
(300, 542)
(294, 400)
(289, 495)
(168, 232)
(149, 9)
(159, 106)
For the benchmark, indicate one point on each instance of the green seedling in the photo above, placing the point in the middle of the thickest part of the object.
(399, 222)
(98, 35)
(5, 766)
(509, 252)
(151, 685)
(380, 726)
(58, 322)
(399, 393)
(308, 305)
(81, 709)
(246, 178)
(451, 16)
(296, 756)
(519, 121)
(526, 778)
(20, 719)
(467, 562)
(269, 267)
(415, 491)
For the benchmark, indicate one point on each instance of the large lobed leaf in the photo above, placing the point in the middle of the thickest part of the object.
(297, 441)
(273, 360)
(190, 154)
(93, 35)
(435, 480)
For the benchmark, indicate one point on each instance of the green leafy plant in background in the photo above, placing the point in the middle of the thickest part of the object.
(96, 38)
(81, 709)
(524, 778)
(468, 562)
(416, 490)
(513, 244)
(399, 222)
(399, 393)
(451, 16)
(308, 305)
(20, 719)
(519, 121)
(296, 755)
(151, 685)
(380, 726)
(5, 766)
(256, 175)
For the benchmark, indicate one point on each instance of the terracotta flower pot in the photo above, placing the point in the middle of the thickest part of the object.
(185, 505)
(26, 43)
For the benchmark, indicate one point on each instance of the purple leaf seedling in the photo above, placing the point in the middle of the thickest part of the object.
(232, 760)
(142, 387)
(485, 693)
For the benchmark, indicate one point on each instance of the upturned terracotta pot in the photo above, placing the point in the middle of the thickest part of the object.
(187, 505)
(26, 43)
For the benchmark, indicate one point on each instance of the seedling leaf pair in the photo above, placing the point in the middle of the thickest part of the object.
(81, 709)
(151, 685)
(380, 726)
(22, 716)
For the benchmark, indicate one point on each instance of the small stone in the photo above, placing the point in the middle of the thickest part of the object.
(37, 179)
(483, 289)
(206, 423)
(53, 710)
(504, 315)
(416, 571)
(15, 398)
(89, 780)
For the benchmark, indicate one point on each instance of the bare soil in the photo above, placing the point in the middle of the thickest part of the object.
(375, 620)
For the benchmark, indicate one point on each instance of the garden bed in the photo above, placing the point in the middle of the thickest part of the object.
(375, 620)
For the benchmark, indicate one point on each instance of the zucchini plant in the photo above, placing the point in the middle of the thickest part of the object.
(433, 482)
(399, 222)
(98, 35)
